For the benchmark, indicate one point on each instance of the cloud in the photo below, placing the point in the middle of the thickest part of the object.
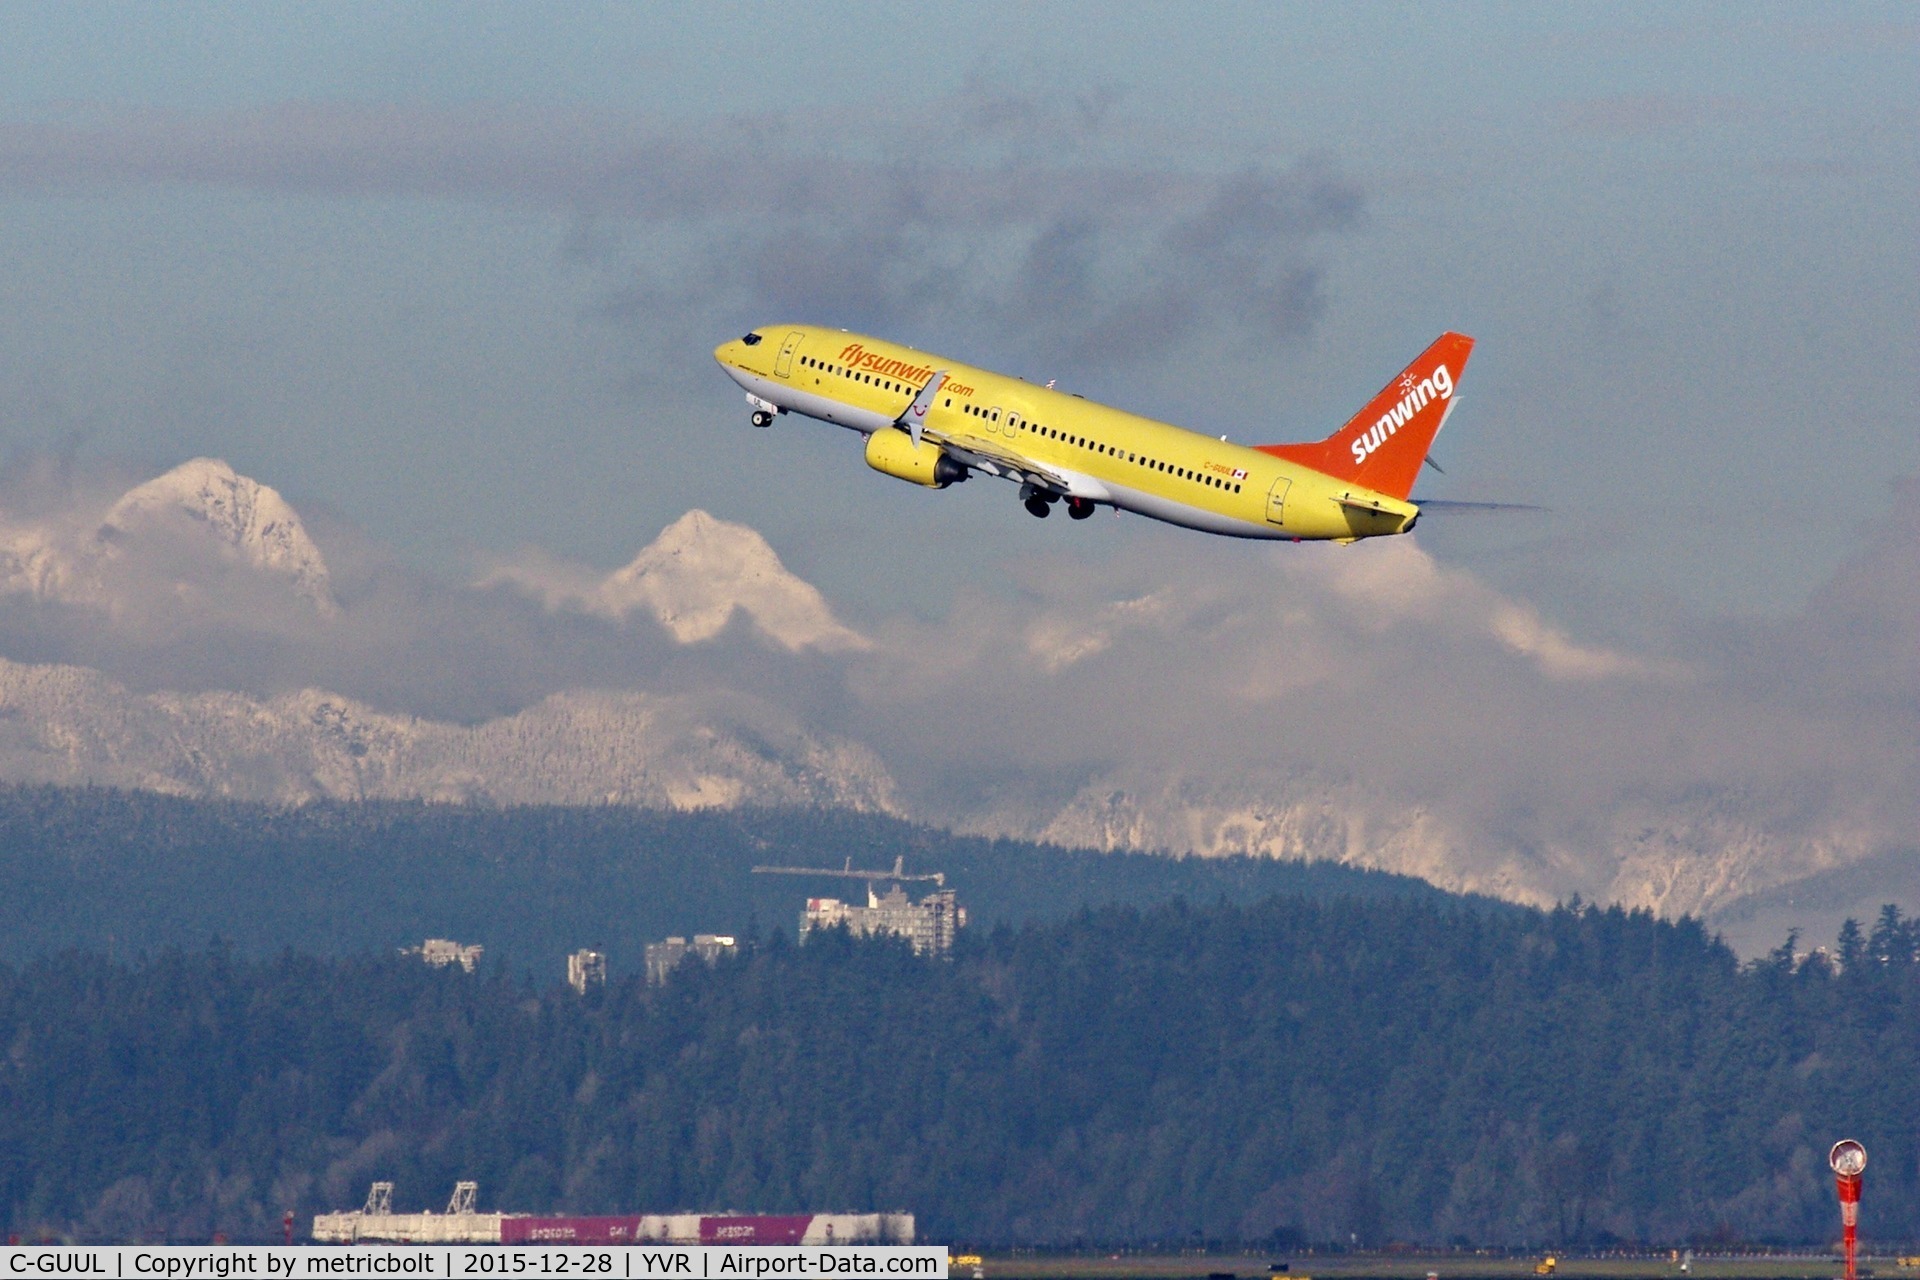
(201, 580)
(1373, 705)
(1000, 216)
(1367, 703)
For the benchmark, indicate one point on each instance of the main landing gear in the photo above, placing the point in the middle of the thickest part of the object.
(1039, 503)
(761, 418)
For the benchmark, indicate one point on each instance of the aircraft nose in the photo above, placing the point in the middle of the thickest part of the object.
(728, 352)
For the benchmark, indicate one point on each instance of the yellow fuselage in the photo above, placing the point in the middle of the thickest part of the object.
(1054, 443)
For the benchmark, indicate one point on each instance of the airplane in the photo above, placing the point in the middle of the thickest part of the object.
(934, 421)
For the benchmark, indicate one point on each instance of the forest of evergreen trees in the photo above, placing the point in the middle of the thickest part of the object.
(125, 872)
(1281, 1071)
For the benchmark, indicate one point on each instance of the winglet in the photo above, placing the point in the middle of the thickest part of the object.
(914, 420)
(1383, 445)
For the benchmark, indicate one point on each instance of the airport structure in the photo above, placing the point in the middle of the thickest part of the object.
(441, 952)
(664, 957)
(1848, 1160)
(586, 968)
(461, 1224)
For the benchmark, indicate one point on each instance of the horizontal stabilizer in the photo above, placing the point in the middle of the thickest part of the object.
(1441, 504)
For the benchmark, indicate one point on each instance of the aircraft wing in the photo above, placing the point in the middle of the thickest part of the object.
(992, 455)
(998, 458)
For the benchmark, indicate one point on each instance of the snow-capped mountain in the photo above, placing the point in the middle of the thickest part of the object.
(245, 520)
(200, 515)
(1087, 712)
(1696, 855)
(69, 725)
(692, 579)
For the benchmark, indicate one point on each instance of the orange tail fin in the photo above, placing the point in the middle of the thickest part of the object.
(1383, 445)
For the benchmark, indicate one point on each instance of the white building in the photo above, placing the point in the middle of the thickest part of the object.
(664, 957)
(441, 952)
(586, 968)
(929, 924)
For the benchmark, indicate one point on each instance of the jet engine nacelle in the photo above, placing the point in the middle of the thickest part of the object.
(892, 451)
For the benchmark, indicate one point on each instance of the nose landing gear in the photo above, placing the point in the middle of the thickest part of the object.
(763, 410)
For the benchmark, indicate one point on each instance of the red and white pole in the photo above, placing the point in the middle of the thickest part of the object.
(1848, 1160)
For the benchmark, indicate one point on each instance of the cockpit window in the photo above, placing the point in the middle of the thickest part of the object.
(751, 340)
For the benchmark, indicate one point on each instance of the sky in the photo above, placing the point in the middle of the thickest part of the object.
(449, 277)
(454, 272)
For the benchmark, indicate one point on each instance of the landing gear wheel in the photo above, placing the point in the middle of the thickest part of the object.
(1079, 508)
(761, 418)
(1039, 507)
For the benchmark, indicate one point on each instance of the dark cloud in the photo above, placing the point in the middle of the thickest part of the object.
(996, 217)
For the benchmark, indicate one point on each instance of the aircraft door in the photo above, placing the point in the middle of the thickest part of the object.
(1012, 427)
(1277, 501)
(783, 367)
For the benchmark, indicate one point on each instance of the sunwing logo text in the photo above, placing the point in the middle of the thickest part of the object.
(1436, 386)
